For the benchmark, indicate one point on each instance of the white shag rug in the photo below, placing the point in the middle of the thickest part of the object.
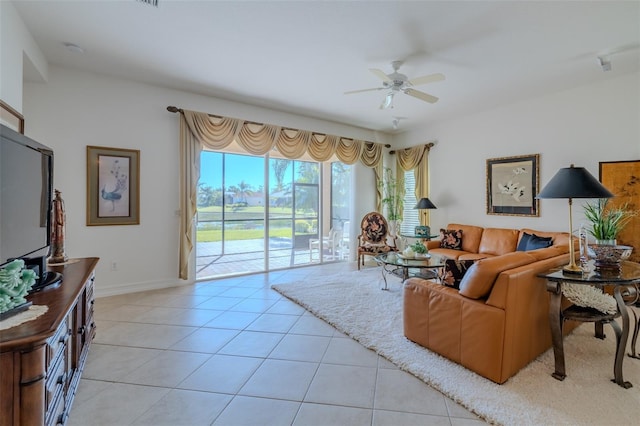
(354, 303)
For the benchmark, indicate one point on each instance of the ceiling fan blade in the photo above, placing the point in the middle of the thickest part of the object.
(362, 90)
(427, 79)
(380, 74)
(421, 95)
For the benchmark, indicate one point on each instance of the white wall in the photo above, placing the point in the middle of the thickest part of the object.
(586, 125)
(17, 47)
(75, 109)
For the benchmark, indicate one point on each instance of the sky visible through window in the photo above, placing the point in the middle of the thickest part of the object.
(237, 168)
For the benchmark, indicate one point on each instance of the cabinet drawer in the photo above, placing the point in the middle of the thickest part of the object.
(56, 379)
(57, 342)
(56, 415)
(89, 288)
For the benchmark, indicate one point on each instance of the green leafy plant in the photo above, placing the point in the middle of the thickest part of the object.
(392, 196)
(418, 247)
(607, 222)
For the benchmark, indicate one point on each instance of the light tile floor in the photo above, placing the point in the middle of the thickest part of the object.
(235, 352)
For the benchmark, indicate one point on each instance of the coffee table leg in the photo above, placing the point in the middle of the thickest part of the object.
(555, 321)
(384, 276)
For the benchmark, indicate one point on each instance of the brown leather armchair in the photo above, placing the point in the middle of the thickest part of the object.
(374, 238)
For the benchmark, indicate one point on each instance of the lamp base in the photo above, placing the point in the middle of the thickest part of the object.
(572, 269)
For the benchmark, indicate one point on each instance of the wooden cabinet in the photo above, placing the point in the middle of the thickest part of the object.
(41, 361)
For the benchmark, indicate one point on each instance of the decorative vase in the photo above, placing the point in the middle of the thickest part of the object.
(612, 242)
(608, 257)
(394, 225)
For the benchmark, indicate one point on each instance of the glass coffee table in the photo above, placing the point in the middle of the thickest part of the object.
(422, 267)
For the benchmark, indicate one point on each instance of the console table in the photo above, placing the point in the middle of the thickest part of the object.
(627, 278)
(41, 360)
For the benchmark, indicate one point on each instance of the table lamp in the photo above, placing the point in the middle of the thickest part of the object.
(573, 182)
(425, 204)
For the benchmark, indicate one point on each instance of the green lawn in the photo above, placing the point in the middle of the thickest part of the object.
(213, 235)
(254, 216)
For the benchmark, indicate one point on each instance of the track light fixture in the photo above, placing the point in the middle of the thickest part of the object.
(605, 63)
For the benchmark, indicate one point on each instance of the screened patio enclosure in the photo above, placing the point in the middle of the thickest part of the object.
(260, 213)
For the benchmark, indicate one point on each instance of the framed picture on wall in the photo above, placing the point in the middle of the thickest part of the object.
(623, 179)
(11, 118)
(113, 186)
(512, 184)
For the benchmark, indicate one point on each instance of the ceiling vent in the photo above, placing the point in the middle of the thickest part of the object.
(153, 3)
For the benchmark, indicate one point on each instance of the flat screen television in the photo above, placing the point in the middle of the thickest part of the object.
(26, 187)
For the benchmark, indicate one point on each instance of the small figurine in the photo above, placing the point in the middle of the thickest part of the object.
(58, 230)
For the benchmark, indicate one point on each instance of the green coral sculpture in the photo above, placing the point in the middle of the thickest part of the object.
(15, 283)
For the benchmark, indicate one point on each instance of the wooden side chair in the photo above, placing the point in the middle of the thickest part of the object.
(374, 238)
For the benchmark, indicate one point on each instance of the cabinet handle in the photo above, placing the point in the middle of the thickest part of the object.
(93, 301)
(64, 337)
(61, 378)
(82, 329)
(62, 419)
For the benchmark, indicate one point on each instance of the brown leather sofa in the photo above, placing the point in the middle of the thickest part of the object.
(498, 321)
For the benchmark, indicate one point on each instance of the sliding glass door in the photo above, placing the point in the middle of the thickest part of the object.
(259, 213)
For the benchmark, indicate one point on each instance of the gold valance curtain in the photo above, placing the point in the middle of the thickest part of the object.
(198, 130)
(417, 159)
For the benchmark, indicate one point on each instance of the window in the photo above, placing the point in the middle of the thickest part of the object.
(410, 215)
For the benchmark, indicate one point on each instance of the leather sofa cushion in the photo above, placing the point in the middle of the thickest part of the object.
(498, 241)
(448, 253)
(473, 256)
(479, 279)
(471, 236)
(548, 252)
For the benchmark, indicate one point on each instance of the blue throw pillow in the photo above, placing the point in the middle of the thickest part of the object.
(533, 242)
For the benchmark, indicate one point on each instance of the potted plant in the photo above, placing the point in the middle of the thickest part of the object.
(392, 198)
(419, 249)
(606, 222)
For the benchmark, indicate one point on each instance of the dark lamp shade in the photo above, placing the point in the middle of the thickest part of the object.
(425, 203)
(574, 182)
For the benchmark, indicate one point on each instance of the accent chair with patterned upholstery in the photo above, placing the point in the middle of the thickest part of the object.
(374, 238)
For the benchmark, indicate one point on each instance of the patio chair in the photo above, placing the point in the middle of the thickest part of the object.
(331, 243)
(375, 238)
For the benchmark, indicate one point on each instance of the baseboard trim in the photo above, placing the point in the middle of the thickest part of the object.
(116, 290)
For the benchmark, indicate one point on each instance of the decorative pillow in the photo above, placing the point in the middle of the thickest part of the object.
(451, 239)
(533, 242)
(453, 272)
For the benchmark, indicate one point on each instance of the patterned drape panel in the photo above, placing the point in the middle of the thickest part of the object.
(190, 150)
(198, 130)
(416, 159)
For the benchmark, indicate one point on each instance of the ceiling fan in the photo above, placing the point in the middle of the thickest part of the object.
(397, 82)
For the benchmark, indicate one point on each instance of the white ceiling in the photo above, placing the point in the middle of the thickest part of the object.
(300, 56)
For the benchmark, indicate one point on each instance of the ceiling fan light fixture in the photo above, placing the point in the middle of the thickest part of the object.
(388, 101)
